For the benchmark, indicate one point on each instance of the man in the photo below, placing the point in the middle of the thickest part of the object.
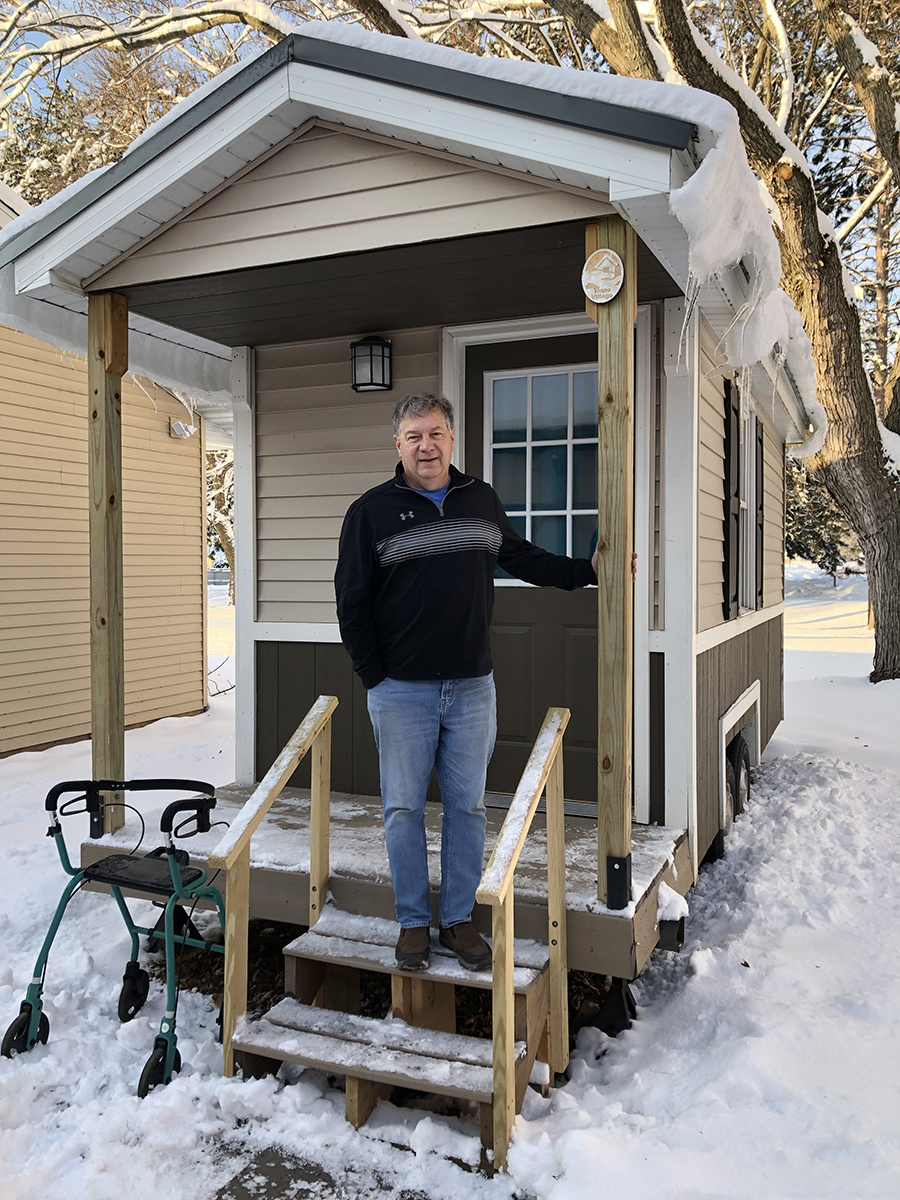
(415, 593)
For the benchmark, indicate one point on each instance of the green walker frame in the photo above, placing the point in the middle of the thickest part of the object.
(165, 871)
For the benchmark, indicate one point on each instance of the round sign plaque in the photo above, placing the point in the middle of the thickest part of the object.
(602, 276)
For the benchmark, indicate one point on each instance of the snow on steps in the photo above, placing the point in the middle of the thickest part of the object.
(346, 939)
(384, 1051)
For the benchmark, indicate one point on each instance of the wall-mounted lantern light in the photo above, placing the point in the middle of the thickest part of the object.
(371, 363)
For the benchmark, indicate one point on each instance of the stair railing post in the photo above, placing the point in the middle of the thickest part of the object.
(556, 905)
(232, 855)
(237, 920)
(503, 1027)
(319, 822)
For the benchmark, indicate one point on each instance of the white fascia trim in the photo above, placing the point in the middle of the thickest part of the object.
(602, 163)
(35, 267)
(296, 631)
(245, 572)
(710, 638)
(681, 371)
(782, 389)
(747, 702)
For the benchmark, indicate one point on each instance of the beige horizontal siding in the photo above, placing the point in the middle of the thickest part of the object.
(45, 604)
(336, 193)
(319, 445)
(773, 518)
(711, 488)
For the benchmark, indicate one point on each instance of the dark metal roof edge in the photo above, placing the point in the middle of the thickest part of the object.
(598, 116)
(232, 89)
(595, 115)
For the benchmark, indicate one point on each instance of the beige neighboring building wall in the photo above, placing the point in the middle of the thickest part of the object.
(44, 601)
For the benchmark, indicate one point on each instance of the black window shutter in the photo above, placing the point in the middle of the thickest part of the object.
(760, 512)
(732, 515)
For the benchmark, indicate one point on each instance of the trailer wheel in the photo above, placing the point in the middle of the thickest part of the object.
(739, 761)
(731, 800)
(15, 1040)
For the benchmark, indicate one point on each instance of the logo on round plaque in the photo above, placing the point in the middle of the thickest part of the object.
(602, 276)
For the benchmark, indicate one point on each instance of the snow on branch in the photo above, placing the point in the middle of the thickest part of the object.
(783, 49)
(871, 80)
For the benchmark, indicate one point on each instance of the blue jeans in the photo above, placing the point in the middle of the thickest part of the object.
(449, 724)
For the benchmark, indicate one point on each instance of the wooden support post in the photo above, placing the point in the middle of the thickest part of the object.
(556, 905)
(319, 821)
(237, 918)
(360, 1098)
(424, 1003)
(503, 1028)
(107, 363)
(615, 360)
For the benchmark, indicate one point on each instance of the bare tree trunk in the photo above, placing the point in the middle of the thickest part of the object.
(852, 463)
(882, 303)
(225, 531)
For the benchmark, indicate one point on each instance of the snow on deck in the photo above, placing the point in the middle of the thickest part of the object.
(358, 851)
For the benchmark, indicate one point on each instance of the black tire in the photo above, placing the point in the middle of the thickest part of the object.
(133, 996)
(739, 760)
(154, 1067)
(730, 795)
(15, 1040)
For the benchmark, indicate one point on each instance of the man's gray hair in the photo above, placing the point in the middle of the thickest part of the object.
(418, 406)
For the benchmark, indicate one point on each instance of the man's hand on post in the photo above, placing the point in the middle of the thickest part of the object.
(595, 563)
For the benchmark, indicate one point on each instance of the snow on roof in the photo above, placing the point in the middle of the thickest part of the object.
(720, 208)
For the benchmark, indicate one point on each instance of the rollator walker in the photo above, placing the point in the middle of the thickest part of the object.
(164, 872)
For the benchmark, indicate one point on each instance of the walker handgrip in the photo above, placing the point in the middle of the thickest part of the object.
(169, 785)
(91, 787)
(201, 805)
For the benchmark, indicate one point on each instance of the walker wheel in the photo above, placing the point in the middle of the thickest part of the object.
(135, 989)
(154, 1068)
(15, 1040)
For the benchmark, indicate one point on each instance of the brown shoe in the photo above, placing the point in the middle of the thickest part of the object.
(413, 950)
(468, 945)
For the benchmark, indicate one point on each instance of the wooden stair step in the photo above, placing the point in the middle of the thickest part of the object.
(392, 1034)
(367, 943)
(370, 1049)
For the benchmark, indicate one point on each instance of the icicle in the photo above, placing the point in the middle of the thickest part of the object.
(691, 296)
(779, 358)
(744, 387)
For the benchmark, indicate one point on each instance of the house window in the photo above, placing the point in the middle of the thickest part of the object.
(541, 454)
(744, 527)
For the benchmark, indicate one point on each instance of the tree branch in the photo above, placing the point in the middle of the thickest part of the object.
(867, 205)
(871, 80)
(623, 39)
(783, 49)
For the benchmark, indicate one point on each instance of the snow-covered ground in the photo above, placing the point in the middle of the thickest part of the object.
(764, 1064)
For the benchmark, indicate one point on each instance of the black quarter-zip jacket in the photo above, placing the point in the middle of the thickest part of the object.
(415, 583)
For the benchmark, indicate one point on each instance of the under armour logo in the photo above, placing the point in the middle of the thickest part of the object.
(407, 516)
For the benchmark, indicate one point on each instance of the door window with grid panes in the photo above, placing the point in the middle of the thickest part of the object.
(541, 454)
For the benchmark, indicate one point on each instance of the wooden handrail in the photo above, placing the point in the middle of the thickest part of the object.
(233, 854)
(544, 770)
(244, 824)
(498, 874)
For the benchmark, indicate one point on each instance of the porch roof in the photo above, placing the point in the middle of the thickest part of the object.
(595, 115)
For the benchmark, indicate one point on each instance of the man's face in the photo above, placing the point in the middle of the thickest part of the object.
(425, 445)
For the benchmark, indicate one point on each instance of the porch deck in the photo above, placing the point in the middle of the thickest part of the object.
(600, 940)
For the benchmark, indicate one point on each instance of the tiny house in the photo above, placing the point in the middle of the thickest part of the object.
(345, 185)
